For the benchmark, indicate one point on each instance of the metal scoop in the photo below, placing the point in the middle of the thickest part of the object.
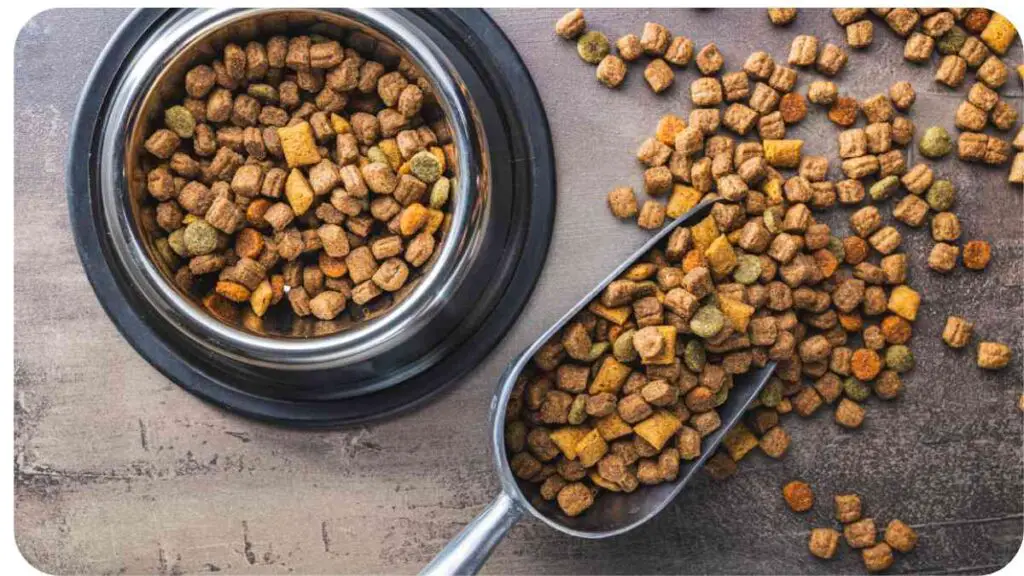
(612, 513)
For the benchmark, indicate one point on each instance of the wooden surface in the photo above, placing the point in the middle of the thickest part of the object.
(118, 470)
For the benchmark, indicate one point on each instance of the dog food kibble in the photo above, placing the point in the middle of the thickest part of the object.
(824, 542)
(286, 180)
(798, 496)
(977, 254)
(900, 537)
(860, 534)
(571, 25)
(935, 142)
(592, 47)
(993, 355)
(847, 508)
(782, 16)
(877, 558)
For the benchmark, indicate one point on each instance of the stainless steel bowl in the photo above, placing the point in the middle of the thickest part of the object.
(155, 79)
(311, 373)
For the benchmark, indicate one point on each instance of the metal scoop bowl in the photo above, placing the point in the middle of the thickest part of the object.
(612, 513)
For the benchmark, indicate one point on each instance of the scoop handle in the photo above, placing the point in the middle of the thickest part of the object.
(468, 551)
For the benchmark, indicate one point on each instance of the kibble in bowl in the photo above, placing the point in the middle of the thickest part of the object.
(292, 175)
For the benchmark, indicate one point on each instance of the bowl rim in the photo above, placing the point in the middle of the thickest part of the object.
(141, 76)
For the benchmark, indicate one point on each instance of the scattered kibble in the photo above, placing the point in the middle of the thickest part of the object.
(798, 495)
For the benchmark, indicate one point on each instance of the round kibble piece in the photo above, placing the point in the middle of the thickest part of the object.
(592, 47)
(941, 195)
(200, 238)
(899, 358)
(935, 142)
(799, 496)
(425, 166)
(707, 322)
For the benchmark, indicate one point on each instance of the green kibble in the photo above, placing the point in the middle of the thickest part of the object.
(425, 166)
(694, 356)
(935, 142)
(623, 349)
(771, 394)
(318, 39)
(375, 154)
(884, 188)
(721, 396)
(163, 248)
(180, 121)
(899, 358)
(707, 322)
(264, 93)
(941, 195)
(835, 246)
(439, 193)
(200, 238)
(176, 241)
(593, 47)
(856, 390)
(951, 42)
(578, 410)
(748, 269)
(597, 349)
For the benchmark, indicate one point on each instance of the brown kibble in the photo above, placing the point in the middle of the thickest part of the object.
(652, 215)
(843, 111)
(877, 558)
(832, 60)
(860, 534)
(848, 508)
(977, 254)
(709, 60)
(793, 107)
(860, 34)
(575, 498)
(611, 71)
(803, 51)
(655, 39)
(571, 25)
(824, 542)
(798, 496)
(658, 75)
(900, 537)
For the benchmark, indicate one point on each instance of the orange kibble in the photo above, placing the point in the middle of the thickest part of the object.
(668, 127)
(896, 330)
(865, 364)
(249, 243)
(693, 259)
(254, 213)
(827, 262)
(977, 253)
(799, 496)
(220, 307)
(332, 267)
(851, 322)
(233, 291)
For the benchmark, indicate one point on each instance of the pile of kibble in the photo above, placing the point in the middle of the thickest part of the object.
(859, 533)
(629, 388)
(299, 169)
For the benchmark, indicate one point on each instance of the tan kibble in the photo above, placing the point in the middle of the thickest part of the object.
(993, 355)
(571, 25)
(611, 71)
(831, 60)
(877, 558)
(860, 34)
(658, 75)
(970, 117)
(622, 202)
(652, 215)
(993, 72)
(680, 51)
(629, 47)
(822, 92)
(782, 16)
(655, 39)
(900, 537)
(824, 542)
(709, 60)
(803, 51)
(951, 71)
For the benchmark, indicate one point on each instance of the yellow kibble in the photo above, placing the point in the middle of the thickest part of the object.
(658, 429)
(682, 200)
(260, 298)
(299, 144)
(783, 153)
(739, 442)
(439, 154)
(737, 312)
(668, 127)
(999, 33)
(298, 192)
(617, 316)
(340, 125)
(773, 191)
(567, 438)
(434, 221)
(390, 149)
(704, 233)
(720, 256)
(405, 168)
(904, 302)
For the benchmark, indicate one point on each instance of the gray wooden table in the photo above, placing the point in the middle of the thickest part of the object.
(118, 470)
